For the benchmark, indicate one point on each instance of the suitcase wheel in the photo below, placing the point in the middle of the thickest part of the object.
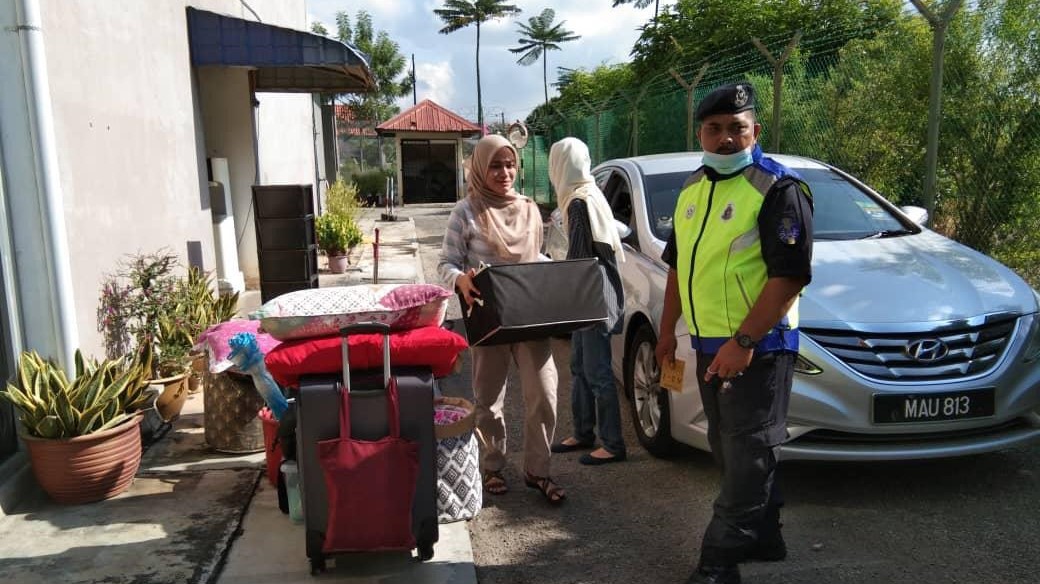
(425, 550)
(317, 566)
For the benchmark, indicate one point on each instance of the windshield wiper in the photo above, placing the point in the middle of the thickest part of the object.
(888, 233)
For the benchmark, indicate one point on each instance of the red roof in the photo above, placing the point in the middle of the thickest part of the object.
(427, 116)
(346, 124)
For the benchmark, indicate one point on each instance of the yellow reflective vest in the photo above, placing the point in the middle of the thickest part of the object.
(719, 261)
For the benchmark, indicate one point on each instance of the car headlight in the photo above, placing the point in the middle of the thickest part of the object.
(805, 366)
(1032, 352)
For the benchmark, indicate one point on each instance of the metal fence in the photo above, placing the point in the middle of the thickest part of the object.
(863, 106)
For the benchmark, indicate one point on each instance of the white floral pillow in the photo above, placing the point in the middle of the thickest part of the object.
(316, 312)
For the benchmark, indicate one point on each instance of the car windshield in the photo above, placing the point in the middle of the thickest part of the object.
(841, 210)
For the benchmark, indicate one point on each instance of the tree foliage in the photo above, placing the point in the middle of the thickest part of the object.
(640, 4)
(388, 67)
(694, 31)
(539, 36)
(459, 14)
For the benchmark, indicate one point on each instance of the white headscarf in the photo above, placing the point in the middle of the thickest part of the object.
(571, 175)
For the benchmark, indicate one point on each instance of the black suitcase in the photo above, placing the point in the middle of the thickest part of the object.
(318, 419)
(534, 300)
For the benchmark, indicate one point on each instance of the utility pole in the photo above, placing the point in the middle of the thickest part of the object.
(939, 24)
(503, 119)
(414, 100)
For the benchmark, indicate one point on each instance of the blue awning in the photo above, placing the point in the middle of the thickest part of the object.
(285, 60)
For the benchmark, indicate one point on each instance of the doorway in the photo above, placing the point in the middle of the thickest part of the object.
(428, 171)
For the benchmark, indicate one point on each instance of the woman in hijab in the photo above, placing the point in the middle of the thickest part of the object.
(494, 224)
(591, 233)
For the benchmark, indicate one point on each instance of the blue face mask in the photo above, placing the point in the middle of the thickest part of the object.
(729, 163)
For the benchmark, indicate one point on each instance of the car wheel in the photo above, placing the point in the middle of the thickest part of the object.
(650, 406)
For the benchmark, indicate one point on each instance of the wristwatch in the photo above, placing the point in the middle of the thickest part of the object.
(745, 341)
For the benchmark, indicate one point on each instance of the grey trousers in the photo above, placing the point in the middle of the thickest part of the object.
(538, 381)
(746, 425)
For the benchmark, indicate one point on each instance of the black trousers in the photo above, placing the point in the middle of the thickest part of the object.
(747, 422)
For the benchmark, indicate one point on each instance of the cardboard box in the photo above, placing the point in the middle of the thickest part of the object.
(537, 300)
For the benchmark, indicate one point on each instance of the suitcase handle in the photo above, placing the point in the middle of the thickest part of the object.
(361, 328)
(365, 328)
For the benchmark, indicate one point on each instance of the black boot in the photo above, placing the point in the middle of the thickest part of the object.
(707, 574)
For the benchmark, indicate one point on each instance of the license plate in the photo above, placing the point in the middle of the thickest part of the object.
(901, 408)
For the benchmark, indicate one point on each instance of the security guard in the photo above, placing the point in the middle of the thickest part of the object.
(740, 254)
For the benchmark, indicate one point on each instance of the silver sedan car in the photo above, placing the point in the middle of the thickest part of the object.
(912, 345)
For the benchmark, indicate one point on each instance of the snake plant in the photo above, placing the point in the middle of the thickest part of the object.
(101, 395)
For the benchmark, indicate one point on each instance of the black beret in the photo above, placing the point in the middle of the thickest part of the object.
(727, 99)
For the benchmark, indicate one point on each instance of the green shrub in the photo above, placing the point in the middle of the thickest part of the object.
(342, 199)
(372, 182)
(337, 233)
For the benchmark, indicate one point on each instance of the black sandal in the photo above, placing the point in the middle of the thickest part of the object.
(495, 483)
(552, 492)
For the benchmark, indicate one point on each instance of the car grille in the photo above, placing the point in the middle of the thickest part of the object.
(831, 436)
(953, 351)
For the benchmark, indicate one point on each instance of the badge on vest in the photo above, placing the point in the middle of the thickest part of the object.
(727, 213)
(789, 231)
(690, 211)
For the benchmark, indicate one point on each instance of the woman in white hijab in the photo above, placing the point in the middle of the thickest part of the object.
(494, 224)
(591, 233)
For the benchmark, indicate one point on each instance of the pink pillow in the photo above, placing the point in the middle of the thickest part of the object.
(215, 342)
(430, 346)
(317, 312)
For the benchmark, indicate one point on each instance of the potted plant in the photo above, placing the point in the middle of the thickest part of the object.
(82, 432)
(146, 304)
(198, 308)
(337, 235)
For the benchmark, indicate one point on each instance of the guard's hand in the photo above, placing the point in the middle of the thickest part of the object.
(730, 361)
(464, 284)
(665, 349)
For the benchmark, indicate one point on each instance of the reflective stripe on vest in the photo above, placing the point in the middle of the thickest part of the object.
(720, 267)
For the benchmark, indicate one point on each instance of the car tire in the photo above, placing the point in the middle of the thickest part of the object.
(648, 402)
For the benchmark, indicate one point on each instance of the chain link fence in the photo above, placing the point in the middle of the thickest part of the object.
(861, 102)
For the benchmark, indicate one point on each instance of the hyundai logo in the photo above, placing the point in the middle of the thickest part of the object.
(927, 350)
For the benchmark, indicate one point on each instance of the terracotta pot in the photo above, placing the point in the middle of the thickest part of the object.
(172, 395)
(87, 468)
(338, 263)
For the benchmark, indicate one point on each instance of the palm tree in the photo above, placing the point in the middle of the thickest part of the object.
(640, 4)
(540, 35)
(458, 14)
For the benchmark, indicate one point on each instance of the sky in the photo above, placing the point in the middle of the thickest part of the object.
(445, 65)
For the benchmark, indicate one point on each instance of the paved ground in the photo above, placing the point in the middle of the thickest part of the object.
(194, 515)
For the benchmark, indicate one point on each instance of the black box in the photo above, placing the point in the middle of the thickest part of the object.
(288, 264)
(291, 233)
(536, 300)
(274, 289)
(283, 200)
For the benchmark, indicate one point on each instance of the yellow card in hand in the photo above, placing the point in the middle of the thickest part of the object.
(672, 374)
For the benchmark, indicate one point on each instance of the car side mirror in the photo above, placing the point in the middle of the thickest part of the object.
(918, 215)
(623, 230)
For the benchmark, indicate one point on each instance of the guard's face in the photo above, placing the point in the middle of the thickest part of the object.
(728, 133)
(502, 171)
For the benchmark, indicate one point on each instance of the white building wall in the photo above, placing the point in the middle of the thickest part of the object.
(124, 123)
(128, 141)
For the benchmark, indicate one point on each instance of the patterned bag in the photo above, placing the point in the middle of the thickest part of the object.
(459, 493)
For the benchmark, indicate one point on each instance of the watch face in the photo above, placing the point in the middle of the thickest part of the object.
(745, 341)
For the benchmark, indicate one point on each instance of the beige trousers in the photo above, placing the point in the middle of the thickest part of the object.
(538, 381)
